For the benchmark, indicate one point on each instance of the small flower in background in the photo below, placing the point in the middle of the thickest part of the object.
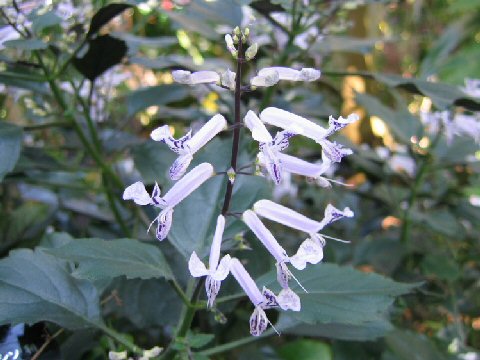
(188, 145)
(217, 271)
(472, 87)
(311, 250)
(452, 124)
(198, 77)
(179, 191)
(295, 123)
(403, 163)
(270, 148)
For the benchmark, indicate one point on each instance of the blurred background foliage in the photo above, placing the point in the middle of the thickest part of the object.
(415, 195)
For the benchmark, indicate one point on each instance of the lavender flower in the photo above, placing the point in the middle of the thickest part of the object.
(188, 145)
(270, 148)
(311, 250)
(217, 271)
(289, 121)
(180, 190)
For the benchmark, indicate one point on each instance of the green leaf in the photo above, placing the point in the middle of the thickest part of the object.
(369, 330)
(305, 349)
(26, 44)
(341, 295)
(407, 345)
(441, 266)
(106, 259)
(37, 287)
(104, 15)
(198, 340)
(103, 52)
(10, 145)
(40, 22)
(154, 95)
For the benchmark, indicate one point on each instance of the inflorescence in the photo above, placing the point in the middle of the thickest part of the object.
(272, 159)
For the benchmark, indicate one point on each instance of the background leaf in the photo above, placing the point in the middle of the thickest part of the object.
(106, 259)
(10, 145)
(104, 15)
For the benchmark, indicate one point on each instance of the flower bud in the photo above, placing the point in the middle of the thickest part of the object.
(246, 32)
(251, 51)
(235, 39)
(237, 31)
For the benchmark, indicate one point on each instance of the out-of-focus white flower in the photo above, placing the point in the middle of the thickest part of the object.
(285, 73)
(472, 87)
(269, 78)
(198, 77)
(179, 191)
(403, 163)
(217, 270)
(188, 145)
(452, 124)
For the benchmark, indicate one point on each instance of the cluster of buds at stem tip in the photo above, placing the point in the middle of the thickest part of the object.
(232, 41)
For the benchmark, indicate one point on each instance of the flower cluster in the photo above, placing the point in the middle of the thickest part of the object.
(452, 124)
(274, 161)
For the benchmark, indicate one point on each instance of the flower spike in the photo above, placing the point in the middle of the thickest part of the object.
(311, 250)
(188, 145)
(179, 191)
(217, 271)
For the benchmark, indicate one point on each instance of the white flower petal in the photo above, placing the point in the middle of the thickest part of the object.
(338, 124)
(258, 322)
(288, 300)
(216, 243)
(310, 74)
(272, 163)
(137, 193)
(205, 77)
(182, 76)
(207, 132)
(246, 282)
(222, 270)
(292, 122)
(333, 214)
(212, 288)
(269, 78)
(228, 79)
(265, 236)
(309, 251)
(196, 266)
(189, 183)
(269, 299)
(286, 216)
(298, 166)
(164, 223)
(258, 129)
(332, 151)
(179, 166)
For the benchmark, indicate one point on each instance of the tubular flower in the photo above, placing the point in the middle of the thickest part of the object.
(261, 300)
(270, 148)
(217, 270)
(285, 73)
(188, 145)
(294, 165)
(180, 190)
(198, 77)
(311, 250)
(281, 257)
(289, 121)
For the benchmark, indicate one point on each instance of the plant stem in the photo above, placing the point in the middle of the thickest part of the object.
(120, 339)
(236, 343)
(237, 128)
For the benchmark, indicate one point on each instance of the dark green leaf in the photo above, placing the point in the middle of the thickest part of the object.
(106, 259)
(154, 95)
(341, 295)
(10, 145)
(198, 340)
(103, 52)
(37, 287)
(104, 15)
(407, 345)
(441, 266)
(26, 44)
(305, 349)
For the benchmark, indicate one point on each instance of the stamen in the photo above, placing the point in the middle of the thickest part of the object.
(297, 281)
(336, 239)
